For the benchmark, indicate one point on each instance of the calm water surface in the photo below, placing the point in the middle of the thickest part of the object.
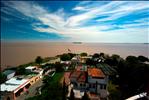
(13, 54)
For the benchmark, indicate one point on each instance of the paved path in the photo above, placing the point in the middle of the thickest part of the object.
(32, 90)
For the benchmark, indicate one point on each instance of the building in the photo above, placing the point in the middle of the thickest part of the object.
(34, 69)
(78, 79)
(14, 87)
(91, 80)
(97, 82)
(30, 69)
(9, 73)
(84, 58)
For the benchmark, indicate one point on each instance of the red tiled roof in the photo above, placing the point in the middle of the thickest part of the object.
(95, 72)
(79, 75)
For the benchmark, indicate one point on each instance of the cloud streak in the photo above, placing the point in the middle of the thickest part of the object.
(77, 27)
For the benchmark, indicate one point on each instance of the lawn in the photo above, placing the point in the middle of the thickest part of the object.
(57, 77)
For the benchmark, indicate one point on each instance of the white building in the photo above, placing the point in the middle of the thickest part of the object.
(30, 68)
(13, 88)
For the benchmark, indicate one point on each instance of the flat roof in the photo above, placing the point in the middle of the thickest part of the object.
(13, 84)
(30, 67)
(7, 72)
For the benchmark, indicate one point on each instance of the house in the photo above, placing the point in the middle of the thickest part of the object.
(9, 73)
(92, 80)
(97, 82)
(78, 79)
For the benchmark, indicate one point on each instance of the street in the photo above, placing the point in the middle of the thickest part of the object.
(32, 91)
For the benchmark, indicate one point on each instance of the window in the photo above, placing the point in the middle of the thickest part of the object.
(101, 86)
(94, 85)
(105, 86)
(80, 85)
(90, 86)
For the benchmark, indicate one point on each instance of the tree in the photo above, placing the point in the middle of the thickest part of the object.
(39, 60)
(143, 59)
(85, 97)
(59, 67)
(132, 59)
(3, 78)
(72, 97)
(83, 54)
(96, 55)
(65, 57)
(20, 70)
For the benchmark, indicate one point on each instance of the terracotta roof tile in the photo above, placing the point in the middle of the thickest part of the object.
(95, 72)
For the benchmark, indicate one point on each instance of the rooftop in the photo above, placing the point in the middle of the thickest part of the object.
(30, 67)
(95, 72)
(7, 72)
(13, 84)
(80, 76)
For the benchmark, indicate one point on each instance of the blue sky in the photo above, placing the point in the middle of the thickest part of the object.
(85, 21)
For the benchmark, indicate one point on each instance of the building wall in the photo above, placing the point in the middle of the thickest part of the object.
(7, 96)
(34, 79)
(100, 81)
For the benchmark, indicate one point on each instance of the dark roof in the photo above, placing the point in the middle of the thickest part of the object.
(7, 72)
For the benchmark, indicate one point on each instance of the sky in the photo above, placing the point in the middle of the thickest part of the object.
(75, 21)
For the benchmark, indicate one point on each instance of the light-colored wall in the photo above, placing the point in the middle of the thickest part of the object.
(100, 81)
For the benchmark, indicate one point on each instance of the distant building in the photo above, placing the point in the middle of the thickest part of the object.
(30, 68)
(9, 73)
(34, 69)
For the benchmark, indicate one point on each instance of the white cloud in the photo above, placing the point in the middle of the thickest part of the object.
(79, 8)
(75, 27)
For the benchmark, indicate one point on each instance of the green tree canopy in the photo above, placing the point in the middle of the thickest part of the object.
(143, 59)
(96, 55)
(65, 57)
(83, 54)
(39, 60)
(3, 78)
(20, 70)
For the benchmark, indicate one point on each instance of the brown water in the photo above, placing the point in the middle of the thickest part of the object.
(14, 54)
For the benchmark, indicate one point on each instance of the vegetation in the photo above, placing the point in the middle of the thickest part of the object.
(83, 54)
(20, 70)
(59, 67)
(65, 57)
(3, 78)
(85, 97)
(39, 60)
(131, 75)
(52, 89)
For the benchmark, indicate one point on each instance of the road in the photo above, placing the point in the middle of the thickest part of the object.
(32, 91)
